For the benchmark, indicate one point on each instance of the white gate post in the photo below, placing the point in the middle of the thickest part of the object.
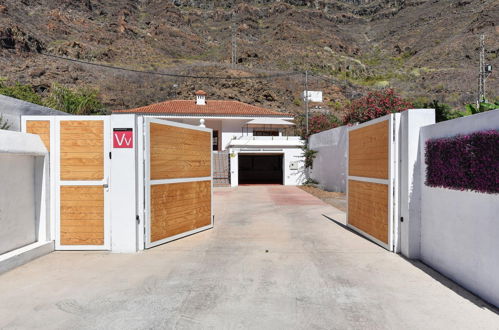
(410, 192)
(123, 184)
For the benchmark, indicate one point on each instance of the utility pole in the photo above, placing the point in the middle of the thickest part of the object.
(481, 73)
(234, 45)
(306, 99)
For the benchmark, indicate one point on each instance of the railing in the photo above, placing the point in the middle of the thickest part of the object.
(268, 138)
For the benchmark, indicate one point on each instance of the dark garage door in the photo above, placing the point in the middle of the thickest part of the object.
(260, 169)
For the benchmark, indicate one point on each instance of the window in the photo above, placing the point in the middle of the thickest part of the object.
(215, 141)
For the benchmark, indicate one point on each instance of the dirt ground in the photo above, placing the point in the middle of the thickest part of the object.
(336, 199)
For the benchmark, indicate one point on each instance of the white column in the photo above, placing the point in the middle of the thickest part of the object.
(411, 122)
(123, 189)
(234, 169)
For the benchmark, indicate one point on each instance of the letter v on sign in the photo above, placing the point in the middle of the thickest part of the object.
(122, 138)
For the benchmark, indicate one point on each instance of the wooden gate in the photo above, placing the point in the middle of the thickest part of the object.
(79, 149)
(372, 180)
(178, 180)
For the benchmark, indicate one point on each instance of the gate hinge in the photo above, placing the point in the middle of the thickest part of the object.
(110, 155)
(401, 219)
(138, 219)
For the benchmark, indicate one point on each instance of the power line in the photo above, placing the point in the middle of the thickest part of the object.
(107, 66)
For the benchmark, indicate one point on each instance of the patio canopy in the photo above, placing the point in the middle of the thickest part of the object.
(269, 122)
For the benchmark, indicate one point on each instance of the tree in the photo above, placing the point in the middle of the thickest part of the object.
(375, 105)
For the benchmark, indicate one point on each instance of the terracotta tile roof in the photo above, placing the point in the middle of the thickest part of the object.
(212, 108)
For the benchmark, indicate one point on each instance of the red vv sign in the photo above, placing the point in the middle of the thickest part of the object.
(122, 138)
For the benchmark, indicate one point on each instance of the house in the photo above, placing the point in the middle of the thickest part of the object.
(251, 145)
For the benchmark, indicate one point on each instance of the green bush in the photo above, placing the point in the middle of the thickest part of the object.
(20, 91)
(83, 101)
(443, 111)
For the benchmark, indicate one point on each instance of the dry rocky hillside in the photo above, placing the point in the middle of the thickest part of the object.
(423, 48)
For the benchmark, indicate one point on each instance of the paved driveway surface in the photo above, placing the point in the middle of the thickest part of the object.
(315, 275)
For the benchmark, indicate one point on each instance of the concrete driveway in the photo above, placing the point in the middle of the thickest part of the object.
(275, 260)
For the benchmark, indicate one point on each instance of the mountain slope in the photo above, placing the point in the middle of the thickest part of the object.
(422, 48)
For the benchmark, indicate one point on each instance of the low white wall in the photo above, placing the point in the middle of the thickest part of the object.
(17, 204)
(460, 229)
(330, 163)
(12, 109)
(24, 202)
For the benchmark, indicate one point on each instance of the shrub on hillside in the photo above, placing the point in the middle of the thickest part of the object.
(375, 105)
(75, 101)
(443, 111)
(20, 91)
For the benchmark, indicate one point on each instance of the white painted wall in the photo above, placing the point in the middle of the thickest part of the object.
(17, 202)
(411, 122)
(330, 163)
(12, 109)
(460, 229)
(24, 198)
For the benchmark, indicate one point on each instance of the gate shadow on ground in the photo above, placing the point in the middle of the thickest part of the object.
(450, 284)
(348, 228)
(442, 279)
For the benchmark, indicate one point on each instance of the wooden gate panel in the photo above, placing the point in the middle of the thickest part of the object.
(179, 207)
(40, 128)
(368, 151)
(178, 175)
(82, 150)
(372, 159)
(82, 215)
(368, 208)
(178, 152)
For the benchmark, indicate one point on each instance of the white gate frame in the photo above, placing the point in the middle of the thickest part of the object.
(392, 181)
(105, 181)
(145, 197)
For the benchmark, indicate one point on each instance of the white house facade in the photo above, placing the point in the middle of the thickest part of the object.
(251, 145)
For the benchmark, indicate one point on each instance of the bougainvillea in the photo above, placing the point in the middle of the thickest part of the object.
(464, 162)
(322, 122)
(375, 105)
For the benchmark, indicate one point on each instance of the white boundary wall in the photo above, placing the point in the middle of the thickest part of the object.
(330, 163)
(460, 229)
(24, 203)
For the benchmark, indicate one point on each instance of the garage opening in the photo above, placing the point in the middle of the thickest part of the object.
(260, 169)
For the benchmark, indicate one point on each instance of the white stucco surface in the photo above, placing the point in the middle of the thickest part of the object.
(330, 163)
(12, 109)
(17, 202)
(411, 122)
(23, 196)
(460, 229)
(123, 190)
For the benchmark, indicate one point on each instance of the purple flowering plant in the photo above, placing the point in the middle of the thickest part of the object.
(464, 162)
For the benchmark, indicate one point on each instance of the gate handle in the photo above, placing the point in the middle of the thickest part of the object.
(106, 185)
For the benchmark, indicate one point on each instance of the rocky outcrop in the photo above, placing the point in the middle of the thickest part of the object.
(16, 39)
